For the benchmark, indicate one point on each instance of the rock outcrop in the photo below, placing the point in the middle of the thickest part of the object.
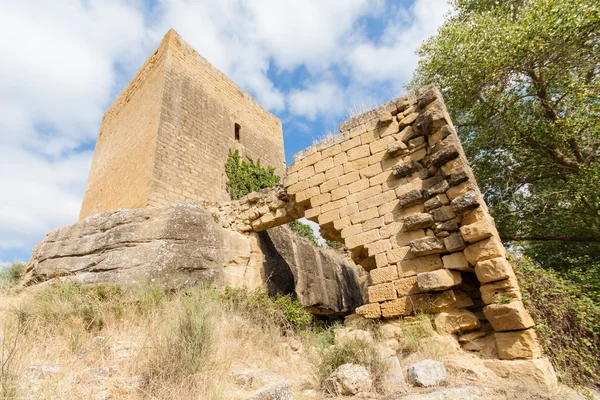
(181, 245)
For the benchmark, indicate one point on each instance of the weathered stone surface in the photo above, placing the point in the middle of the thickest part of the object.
(396, 308)
(454, 242)
(418, 221)
(341, 335)
(456, 261)
(180, 245)
(495, 269)
(406, 286)
(438, 280)
(406, 168)
(444, 213)
(484, 250)
(383, 275)
(518, 345)
(426, 246)
(382, 292)
(432, 302)
(444, 154)
(370, 311)
(500, 291)
(348, 379)
(393, 379)
(455, 321)
(508, 317)
(526, 372)
(436, 201)
(396, 148)
(476, 232)
(410, 198)
(427, 373)
(464, 203)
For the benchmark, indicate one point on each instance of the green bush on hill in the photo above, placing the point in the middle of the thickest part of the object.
(247, 176)
(567, 323)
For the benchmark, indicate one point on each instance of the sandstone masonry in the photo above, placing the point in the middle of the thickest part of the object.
(166, 137)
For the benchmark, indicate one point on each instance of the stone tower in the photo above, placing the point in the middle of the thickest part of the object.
(167, 135)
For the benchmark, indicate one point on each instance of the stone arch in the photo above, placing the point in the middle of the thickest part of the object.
(396, 188)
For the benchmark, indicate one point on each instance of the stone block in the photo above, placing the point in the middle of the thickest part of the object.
(358, 186)
(457, 262)
(370, 171)
(484, 250)
(389, 129)
(349, 178)
(381, 292)
(365, 215)
(459, 190)
(439, 188)
(440, 279)
(351, 231)
(398, 254)
(390, 229)
(444, 213)
(341, 223)
(381, 144)
(500, 291)
(444, 153)
(312, 213)
(333, 205)
(436, 202)
(348, 210)
(324, 165)
(418, 221)
(304, 196)
(311, 159)
(412, 266)
(477, 231)
(417, 155)
(338, 192)
(427, 246)
(331, 151)
(376, 200)
(508, 317)
(306, 173)
(297, 187)
(331, 185)
(518, 345)
(410, 198)
(350, 143)
(358, 130)
(402, 239)
(534, 373)
(370, 311)
(454, 242)
(372, 224)
(432, 302)
(381, 260)
(364, 194)
(450, 322)
(362, 239)
(406, 286)
(495, 269)
(396, 148)
(319, 199)
(396, 308)
(356, 165)
(334, 172)
(381, 246)
(407, 133)
(290, 179)
(476, 215)
(384, 275)
(406, 168)
(359, 152)
(328, 217)
(465, 202)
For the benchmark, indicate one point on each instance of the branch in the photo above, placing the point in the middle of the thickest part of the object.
(535, 238)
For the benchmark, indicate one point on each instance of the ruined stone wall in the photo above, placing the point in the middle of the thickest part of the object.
(167, 136)
(122, 166)
(396, 188)
(199, 111)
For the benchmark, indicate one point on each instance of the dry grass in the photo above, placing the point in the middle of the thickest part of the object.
(75, 342)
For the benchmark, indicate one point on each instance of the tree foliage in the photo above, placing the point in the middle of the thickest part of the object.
(521, 81)
(247, 176)
(305, 231)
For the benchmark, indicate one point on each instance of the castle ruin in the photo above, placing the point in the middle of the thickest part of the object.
(394, 186)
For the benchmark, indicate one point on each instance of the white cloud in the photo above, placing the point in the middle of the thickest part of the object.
(63, 62)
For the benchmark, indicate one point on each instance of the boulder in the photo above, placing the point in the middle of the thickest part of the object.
(180, 245)
(341, 335)
(440, 279)
(393, 380)
(455, 321)
(348, 379)
(280, 390)
(518, 345)
(427, 373)
(526, 372)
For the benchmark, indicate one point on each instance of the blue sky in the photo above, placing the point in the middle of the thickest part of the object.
(64, 62)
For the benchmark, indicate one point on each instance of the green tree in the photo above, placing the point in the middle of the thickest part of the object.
(305, 231)
(521, 81)
(247, 176)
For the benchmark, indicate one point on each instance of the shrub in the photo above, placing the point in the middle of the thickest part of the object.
(334, 244)
(183, 340)
(567, 323)
(11, 275)
(351, 352)
(283, 310)
(247, 176)
(305, 231)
